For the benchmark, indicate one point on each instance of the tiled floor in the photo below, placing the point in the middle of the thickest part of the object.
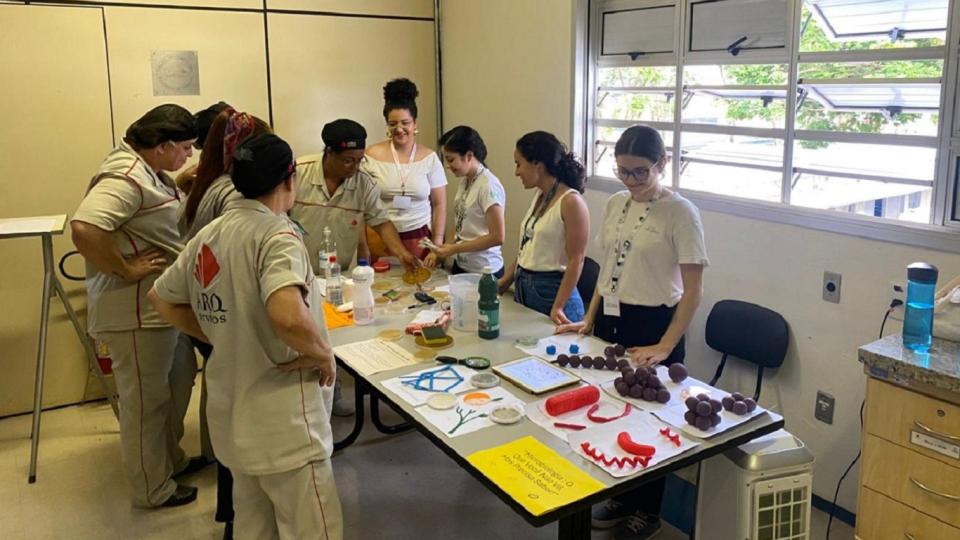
(395, 487)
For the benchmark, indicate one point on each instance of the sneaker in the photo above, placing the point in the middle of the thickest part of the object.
(610, 514)
(341, 407)
(639, 526)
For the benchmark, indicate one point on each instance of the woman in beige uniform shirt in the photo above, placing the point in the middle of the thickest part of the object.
(126, 229)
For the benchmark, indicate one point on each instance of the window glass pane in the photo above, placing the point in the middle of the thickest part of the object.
(863, 197)
(870, 159)
(898, 69)
(814, 115)
(637, 76)
(749, 74)
(645, 107)
(748, 108)
(835, 25)
(731, 180)
(737, 149)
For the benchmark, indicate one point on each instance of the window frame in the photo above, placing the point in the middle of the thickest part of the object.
(940, 234)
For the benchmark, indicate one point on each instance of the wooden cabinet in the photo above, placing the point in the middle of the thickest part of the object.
(910, 473)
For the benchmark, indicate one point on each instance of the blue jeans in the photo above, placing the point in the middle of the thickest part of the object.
(538, 290)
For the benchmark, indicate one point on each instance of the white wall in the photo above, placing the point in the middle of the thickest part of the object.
(521, 81)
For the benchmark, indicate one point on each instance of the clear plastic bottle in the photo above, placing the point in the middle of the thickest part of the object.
(488, 320)
(323, 257)
(918, 315)
(334, 286)
(362, 293)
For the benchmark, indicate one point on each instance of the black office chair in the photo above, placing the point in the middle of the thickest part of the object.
(588, 280)
(749, 332)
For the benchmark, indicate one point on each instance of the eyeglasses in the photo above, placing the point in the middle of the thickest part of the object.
(351, 161)
(638, 174)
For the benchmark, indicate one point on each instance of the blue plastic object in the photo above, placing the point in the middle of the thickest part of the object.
(574, 348)
(918, 316)
(551, 350)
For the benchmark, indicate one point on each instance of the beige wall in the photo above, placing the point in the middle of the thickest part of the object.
(53, 64)
(507, 69)
(56, 130)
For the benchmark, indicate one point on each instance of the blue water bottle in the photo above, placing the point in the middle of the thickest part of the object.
(918, 317)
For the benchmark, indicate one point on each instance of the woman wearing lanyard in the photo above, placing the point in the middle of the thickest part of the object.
(554, 232)
(650, 286)
(478, 210)
(411, 178)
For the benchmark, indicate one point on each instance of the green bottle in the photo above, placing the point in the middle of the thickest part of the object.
(488, 323)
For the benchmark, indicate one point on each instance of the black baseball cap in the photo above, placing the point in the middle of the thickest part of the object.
(344, 134)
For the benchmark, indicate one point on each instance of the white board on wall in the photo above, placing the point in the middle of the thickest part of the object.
(56, 111)
(317, 77)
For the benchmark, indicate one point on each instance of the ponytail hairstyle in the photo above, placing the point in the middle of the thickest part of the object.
(463, 139)
(545, 148)
(400, 94)
(230, 127)
(641, 141)
(165, 123)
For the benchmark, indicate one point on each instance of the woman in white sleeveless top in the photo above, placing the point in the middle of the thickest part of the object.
(554, 231)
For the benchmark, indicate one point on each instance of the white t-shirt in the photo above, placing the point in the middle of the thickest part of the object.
(420, 177)
(546, 251)
(670, 235)
(262, 420)
(470, 219)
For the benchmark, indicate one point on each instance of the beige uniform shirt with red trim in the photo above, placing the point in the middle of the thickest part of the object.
(355, 204)
(139, 206)
(262, 420)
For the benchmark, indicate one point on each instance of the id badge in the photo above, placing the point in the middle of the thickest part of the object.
(401, 202)
(611, 306)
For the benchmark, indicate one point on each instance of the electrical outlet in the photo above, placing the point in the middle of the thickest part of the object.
(897, 291)
(824, 407)
(831, 286)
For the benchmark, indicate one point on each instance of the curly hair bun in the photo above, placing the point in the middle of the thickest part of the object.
(400, 90)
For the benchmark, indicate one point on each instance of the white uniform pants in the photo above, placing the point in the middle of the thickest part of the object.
(154, 370)
(297, 504)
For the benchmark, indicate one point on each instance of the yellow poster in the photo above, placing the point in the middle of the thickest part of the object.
(534, 475)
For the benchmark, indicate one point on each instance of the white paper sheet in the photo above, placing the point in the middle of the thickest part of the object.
(673, 415)
(374, 355)
(427, 316)
(609, 407)
(418, 397)
(474, 417)
(678, 391)
(588, 345)
(643, 428)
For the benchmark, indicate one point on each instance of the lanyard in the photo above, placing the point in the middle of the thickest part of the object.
(538, 213)
(460, 208)
(400, 172)
(622, 247)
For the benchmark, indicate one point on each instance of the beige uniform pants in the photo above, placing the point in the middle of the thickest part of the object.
(297, 504)
(154, 370)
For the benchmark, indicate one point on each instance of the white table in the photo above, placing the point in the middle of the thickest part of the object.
(45, 227)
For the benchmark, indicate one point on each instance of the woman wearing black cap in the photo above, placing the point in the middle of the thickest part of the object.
(245, 284)
(412, 182)
(126, 229)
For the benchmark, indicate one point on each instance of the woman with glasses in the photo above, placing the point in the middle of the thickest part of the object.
(412, 183)
(649, 287)
(553, 233)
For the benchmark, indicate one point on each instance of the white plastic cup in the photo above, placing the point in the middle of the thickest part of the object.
(464, 299)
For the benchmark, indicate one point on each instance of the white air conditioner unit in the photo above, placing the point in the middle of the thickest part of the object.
(759, 491)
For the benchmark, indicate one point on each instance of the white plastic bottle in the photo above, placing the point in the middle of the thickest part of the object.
(334, 287)
(362, 293)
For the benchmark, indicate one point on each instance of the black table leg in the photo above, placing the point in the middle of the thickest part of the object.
(358, 392)
(576, 526)
(375, 418)
(696, 497)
